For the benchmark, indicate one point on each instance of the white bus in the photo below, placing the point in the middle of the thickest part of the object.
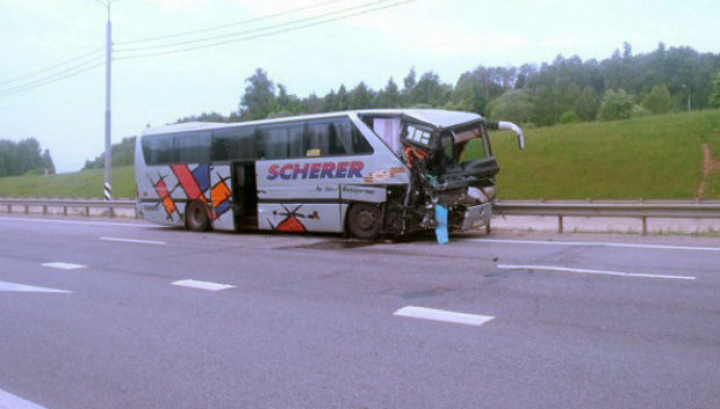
(367, 173)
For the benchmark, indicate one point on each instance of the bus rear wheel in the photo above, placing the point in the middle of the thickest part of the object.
(364, 221)
(197, 217)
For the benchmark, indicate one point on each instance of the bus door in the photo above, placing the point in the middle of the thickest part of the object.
(245, 196)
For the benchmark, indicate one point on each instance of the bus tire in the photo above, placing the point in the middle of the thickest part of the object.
(197, 217)
(364, 221)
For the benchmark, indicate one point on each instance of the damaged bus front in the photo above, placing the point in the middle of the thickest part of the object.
(443, 193)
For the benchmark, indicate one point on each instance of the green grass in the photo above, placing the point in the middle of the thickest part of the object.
(86, 184)
(657, 157)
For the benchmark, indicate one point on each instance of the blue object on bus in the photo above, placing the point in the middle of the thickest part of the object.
(441, 231)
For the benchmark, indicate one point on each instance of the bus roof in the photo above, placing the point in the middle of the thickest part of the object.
(435, 117)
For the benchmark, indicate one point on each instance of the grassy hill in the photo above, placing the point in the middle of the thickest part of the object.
(657, 157)
(86, 183)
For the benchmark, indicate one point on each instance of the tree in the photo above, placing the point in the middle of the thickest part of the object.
(587, 104)
(312, 104)
(361, 97)
(342, 99)
(47, 162)
(467, 96)
(330, 102)
(515, 106)
(409, 83)
(123, 154)
(430, 91)
(568, 117)
(715, 97)
(389, 97)
(658, 101)
(19, 158)
(286, 103)
(616, 105)
(259, 98)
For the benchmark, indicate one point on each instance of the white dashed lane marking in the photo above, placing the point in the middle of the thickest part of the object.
(444, 316)
(24, 288)
(587, 271)
(202, 285)
(118, 239)
(596, 244)
(63, 266)
(10, 401)
(75, 222)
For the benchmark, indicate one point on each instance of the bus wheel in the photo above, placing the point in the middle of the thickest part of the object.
(364, 221)
(196, 216)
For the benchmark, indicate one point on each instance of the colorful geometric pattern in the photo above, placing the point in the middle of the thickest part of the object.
(195, 183)
(292, 223)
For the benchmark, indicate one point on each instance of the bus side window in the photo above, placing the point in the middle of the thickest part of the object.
(233, 144)
(335, 137)
(317, 141)
(192, 147)
(157, 150)
(281, 141)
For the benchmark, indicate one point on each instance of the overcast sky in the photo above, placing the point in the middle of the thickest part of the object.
(448, 37)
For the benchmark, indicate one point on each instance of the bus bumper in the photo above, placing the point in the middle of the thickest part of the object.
(476, 216)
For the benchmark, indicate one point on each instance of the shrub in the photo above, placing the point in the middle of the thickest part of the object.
(616, 105)
(658, 101)
(568, 117)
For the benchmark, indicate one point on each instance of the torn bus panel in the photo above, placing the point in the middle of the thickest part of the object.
(440, 183)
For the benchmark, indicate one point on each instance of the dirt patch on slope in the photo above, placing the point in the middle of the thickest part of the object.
(710, 167)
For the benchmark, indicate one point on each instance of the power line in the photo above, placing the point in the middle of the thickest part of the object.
(51, 68)
(270, 33)
(254, 30)
(238, 23)
(90, 64)
(49, 80)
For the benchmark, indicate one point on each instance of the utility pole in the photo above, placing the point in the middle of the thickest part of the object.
(108, 115)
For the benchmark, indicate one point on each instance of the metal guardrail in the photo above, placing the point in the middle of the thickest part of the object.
(640, 209)
(84, 204)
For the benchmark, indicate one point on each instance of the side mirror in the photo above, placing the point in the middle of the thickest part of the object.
(509, 126)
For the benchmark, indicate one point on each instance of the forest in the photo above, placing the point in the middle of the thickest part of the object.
(566, 90)
(24, 157)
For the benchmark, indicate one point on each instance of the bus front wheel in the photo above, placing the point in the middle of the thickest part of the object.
(197, 217)
(364, 221)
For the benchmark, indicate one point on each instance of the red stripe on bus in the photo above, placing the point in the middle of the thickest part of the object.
(187, 181)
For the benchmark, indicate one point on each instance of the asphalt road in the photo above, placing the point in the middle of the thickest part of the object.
(570, 321)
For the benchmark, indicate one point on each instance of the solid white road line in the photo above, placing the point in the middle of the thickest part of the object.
(441, 315)
(63, 266)
(23, 288)
(597, 244)
(202, 285)
(10, 401)
(78, 222)
(160, 243)
(586, 271)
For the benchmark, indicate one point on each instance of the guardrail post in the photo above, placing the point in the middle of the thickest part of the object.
(560, 224)
(44, 210)
(87, 211)
(27, 209)
(9, 206)
(65, 210)
(111, 213)
(644, 222)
